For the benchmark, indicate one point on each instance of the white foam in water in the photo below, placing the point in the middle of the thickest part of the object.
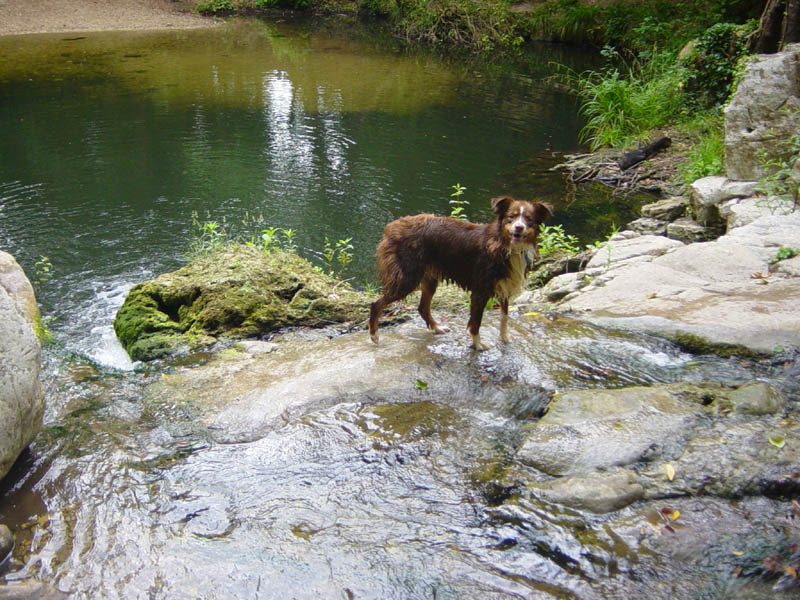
(103, 347)
(108, 351)
(658, 358)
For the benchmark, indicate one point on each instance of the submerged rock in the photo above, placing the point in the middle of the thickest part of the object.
(601, 450)
(238, 292)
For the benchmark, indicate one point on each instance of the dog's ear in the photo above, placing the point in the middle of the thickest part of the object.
(500, 204)
(541, 211)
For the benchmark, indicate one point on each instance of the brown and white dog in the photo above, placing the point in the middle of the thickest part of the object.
(486, 260)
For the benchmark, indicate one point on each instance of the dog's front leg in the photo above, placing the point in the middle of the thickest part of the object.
(504, 321)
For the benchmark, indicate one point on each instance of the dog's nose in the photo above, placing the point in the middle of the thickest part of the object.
(519, 228)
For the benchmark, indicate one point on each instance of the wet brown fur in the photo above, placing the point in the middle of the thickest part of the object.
(420, 251)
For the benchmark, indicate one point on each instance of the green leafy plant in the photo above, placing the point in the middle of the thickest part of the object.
(43, 270)
(208, 236)
(458, 205)
(340, 252)
(477, 25)
(707, 155)
(783, 253)
(714, 60)
(552, 238)
(779, 183)
(212, 7)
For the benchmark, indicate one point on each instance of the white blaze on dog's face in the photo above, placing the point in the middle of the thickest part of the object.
(520, 224)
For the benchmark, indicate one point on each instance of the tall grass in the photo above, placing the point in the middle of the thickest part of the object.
(625, 101)
(708, 147)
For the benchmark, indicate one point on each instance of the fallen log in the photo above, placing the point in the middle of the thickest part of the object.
(634, 157)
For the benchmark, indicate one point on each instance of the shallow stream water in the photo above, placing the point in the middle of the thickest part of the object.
(110, 143)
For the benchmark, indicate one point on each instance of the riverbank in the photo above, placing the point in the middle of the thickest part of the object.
(52, 16)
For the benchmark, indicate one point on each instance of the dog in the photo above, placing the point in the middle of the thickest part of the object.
(489, 260)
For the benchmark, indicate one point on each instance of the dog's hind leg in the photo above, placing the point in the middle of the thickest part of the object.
(477, 303)
(428, 289)
(375, 310)
(392, 294)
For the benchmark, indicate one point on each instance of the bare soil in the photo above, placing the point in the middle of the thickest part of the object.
(53, 16)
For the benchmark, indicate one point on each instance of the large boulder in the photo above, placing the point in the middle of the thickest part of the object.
(21, 392)
(763, 114)
(236, 293)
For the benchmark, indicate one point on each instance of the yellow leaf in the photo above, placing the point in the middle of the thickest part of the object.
(531, 314)
(670, 471)
(737, 552)
(778, 441)
(791, 571)
(675, 514)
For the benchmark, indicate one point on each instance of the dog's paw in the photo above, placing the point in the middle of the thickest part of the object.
(374, 338)
(439, 330)
(479, 345)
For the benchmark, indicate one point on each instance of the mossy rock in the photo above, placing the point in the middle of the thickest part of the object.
(237, 292)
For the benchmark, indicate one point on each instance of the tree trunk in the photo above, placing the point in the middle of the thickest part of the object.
(791, 23)
(780, 25)
(768, 38)
(634, 157)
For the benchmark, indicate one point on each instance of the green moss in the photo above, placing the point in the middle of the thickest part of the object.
(42, 334)
(235, 292)
(697, 345)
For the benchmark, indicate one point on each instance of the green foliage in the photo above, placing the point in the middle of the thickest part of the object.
(479, 25)
(340, 252)
(779, 165)
(552, 238)
(43, 270)
(624, 103)
(636, 26)
(208, 236)
(707, 154)
(274, 239)
(290, 4)
(713, 63)
(458, 206)
(783, 253)
(212, 7)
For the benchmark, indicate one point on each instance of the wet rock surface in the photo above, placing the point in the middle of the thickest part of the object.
(21, 393)
(729, 291)
(319, 464)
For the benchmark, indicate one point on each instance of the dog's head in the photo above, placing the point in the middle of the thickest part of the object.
(520, 220)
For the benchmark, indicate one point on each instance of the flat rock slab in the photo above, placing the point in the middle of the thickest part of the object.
(720, 291)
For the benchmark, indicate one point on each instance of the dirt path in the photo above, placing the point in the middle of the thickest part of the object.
(41, 16)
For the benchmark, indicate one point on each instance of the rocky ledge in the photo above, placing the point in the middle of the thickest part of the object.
(738, 293)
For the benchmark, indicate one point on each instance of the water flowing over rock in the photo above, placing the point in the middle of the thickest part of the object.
(21, 393)
(607, 449)
(763, 114)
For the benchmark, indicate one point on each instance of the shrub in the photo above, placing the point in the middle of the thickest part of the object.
(713, 62)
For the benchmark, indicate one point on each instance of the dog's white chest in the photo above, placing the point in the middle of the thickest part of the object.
(512, 286)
